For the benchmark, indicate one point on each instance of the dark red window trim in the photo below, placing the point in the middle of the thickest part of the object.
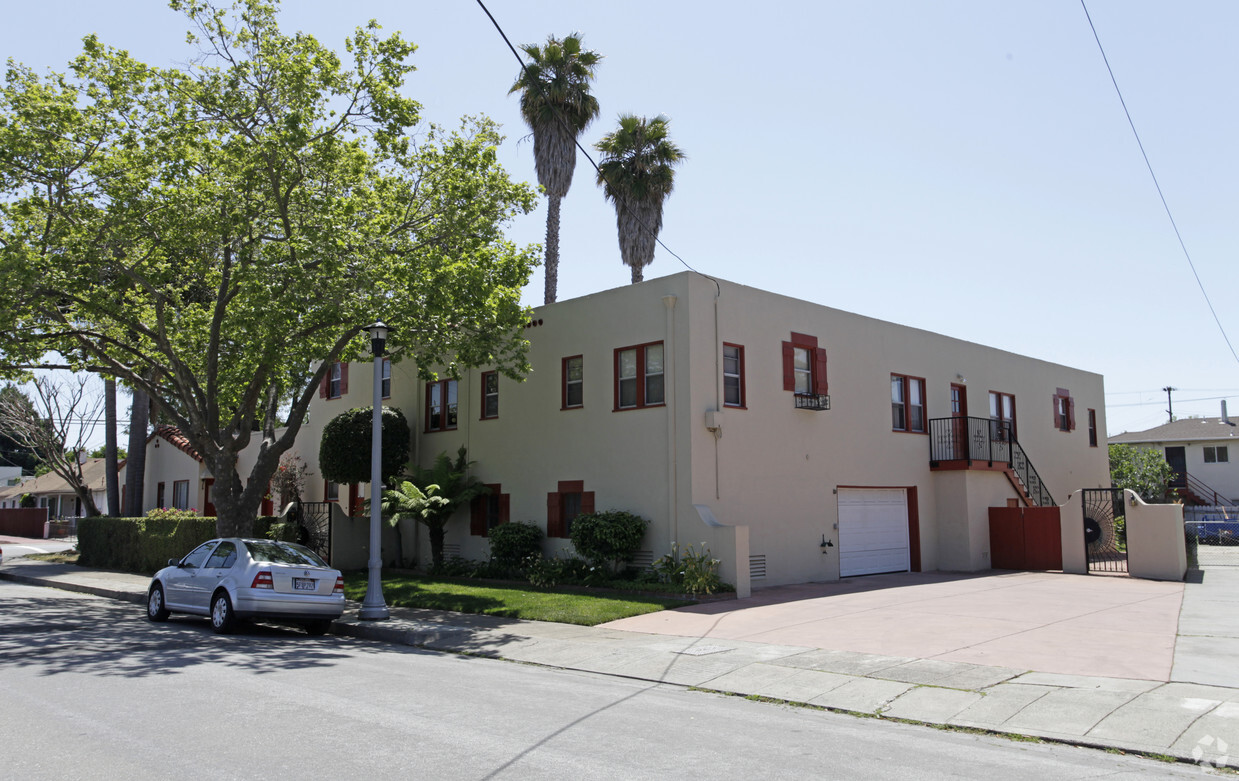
(1092, 428)
(484, 416)
(324, 389)
(817, 363)
(443, 384)
(743, 389)
(556, 526)
(907, 380)
(563, 382)
(479, 510)
(641, 376)
(385, 393)
(327, 492)
(1061, 396)
(1014, 411)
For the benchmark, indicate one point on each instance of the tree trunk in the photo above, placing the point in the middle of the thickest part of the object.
(436, 544)
(638, 274)
(552, 248)
(109, 450)
(135, 466)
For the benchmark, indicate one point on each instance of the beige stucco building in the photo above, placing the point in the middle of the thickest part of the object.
(791, 439)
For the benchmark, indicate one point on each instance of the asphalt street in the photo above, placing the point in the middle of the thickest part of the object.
(90, 690)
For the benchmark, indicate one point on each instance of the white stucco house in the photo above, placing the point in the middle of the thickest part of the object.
(52, 491)
(1199, 452)
(796, 441)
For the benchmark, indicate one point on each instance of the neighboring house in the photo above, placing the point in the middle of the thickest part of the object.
(797, 442)
(1203, 452)
(53, 491)
(10, 476)
(176, 476)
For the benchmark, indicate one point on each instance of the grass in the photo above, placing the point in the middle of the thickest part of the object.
(64, 557)
(523, 602)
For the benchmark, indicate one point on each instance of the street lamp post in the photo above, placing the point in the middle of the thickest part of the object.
(373, 608)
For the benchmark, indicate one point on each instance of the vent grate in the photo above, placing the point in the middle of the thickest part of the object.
(757, 566)
(450, 550)
(644, 559)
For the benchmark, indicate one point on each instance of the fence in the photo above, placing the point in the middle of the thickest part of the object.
(1213, 533)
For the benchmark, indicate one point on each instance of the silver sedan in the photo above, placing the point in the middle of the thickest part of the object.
(233, 578)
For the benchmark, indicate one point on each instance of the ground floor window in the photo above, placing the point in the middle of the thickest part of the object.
(1217, 455)
(180, 494)
(564, 505)
(488, 510)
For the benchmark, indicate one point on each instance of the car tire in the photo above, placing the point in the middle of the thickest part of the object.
(317, 628)
(223, 620)
(156, 607)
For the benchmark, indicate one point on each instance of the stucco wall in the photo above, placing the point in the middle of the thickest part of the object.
(1155, 543)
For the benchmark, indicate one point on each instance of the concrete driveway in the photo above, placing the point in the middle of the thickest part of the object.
(1116, 627)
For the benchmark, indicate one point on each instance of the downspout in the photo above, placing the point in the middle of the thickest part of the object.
(718, 388)
(669, 380)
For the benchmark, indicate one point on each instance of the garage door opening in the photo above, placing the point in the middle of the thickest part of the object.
(873, 531)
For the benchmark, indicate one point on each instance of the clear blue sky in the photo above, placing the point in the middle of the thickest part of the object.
(963, 167)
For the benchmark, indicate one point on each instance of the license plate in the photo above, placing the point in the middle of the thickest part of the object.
(304, 584)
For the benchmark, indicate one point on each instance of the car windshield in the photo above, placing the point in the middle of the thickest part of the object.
(283, 553)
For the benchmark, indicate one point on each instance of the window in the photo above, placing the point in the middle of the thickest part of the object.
(1064, 410)
(331, 491)
(385, 387)
(804, 366)
(1092, 428)
(573, 382)
(223, 557)
(180, 494)
(1001, 415)
(733, 375)
(907, 403)
(564, 505)
(335, 382)
(490, 395)
(1216, 455)
(639, 376)
(488, 511)
(198, 555)
(159, 495)
(441, 405)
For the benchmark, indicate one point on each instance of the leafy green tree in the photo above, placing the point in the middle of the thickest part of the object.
(637, 173)
(216, 236)
(608, 539)
(432, 496)
(1143, 470)
(101, 452)
(13, 452)
(344, 451)
(557, 105)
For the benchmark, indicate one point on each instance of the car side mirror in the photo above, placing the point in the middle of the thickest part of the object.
(174, 562)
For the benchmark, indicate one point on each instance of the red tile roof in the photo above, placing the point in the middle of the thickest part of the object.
(174, 437)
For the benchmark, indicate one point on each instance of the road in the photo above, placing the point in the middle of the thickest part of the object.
(89, 689)
(12, 548)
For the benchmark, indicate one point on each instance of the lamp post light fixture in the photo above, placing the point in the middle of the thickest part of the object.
(373, 608)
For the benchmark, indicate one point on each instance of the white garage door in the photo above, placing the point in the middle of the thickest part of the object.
(873, 531)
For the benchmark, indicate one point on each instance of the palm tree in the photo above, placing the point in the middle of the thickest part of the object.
(557, 106)
(432, 498)
(636, 174)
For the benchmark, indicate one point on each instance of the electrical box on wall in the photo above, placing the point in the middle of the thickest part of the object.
(714, 421)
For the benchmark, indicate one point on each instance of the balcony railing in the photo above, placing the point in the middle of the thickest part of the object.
(818, 402)
(991, 441)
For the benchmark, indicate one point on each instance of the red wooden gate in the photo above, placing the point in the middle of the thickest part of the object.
(1025, 538)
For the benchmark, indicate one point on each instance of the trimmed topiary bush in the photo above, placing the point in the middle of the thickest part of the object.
(609, 538)
(512, 543)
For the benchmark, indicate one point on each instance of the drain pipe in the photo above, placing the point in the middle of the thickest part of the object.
(669, 381)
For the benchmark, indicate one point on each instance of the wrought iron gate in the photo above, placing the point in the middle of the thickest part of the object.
(1105, 530)
(314, 528)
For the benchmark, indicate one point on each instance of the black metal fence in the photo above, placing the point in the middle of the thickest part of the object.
(1105, 530)
(991, 441)
(315, 527)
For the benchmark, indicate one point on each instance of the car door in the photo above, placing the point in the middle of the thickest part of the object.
(217, 566)
(182, 584)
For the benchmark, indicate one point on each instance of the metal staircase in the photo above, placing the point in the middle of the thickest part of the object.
(982, 443)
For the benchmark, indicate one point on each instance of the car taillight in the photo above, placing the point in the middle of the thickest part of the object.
(339, 589)
(262, 580)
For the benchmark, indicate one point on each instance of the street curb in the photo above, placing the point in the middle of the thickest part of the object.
(81, 588)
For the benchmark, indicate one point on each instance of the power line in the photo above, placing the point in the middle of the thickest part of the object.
(577, 143)
(1149, 165)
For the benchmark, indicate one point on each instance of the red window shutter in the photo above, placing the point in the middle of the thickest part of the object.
(587, 502)
(554, 522)
(343, 378)
(354, 501)
(477, 516)
(505, 506)
(1071, 414)
(789, 367)
(322, 386)
(1058, 418)
(819, 371)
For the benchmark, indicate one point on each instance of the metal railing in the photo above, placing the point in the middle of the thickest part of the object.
(1198, 489)
(992, 441)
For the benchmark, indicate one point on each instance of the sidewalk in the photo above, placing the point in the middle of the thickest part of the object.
(1192, 717)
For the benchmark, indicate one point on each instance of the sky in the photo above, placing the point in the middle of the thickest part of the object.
(961, 167)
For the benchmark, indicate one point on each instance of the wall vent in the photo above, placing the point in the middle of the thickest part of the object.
(643, 560)
(757, 566)
(450, 550)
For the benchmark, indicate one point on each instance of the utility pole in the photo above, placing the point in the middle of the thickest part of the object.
(1169, 402)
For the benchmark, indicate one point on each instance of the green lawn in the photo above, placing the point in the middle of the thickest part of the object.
(508, 601)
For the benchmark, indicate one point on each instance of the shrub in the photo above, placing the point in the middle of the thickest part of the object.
(170, 514)
(696, 572)
(512, 543)
(608, 538)
(542, 572)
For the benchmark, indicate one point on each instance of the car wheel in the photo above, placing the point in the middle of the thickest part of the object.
(318, 627)
(222, 618)
(156, 609)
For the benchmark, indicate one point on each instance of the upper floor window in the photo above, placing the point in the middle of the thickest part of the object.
(907, 403)
(441, 405)
(490, 394)
(1217, 455)
(335, 381)
(1001, 415)
(733, 375)
(1092, 428)
(573, 374)
(1064, 410)
(639, 376)
(804, 366)
(385, 387)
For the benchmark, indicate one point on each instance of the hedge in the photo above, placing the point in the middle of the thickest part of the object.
(144, 545)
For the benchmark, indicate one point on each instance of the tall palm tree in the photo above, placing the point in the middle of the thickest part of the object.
(557, 106)
(636, 173)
